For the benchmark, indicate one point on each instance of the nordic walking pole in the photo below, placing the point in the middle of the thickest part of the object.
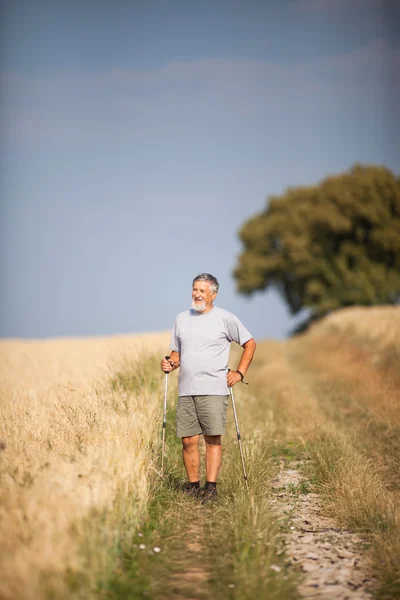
(164, 424)
(238, 437)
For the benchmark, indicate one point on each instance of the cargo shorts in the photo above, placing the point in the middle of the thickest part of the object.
(201, 414)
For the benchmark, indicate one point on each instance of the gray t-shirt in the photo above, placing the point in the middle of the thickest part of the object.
(203, 342)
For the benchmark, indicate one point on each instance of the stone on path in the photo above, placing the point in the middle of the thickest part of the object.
(327, 555)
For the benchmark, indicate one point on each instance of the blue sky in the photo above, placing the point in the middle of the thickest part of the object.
(137, 137)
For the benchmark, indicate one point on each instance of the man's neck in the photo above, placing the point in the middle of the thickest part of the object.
(207, 309)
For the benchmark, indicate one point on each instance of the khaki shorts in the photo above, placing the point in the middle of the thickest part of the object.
(201, 414)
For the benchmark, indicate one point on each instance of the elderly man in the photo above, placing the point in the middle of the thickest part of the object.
(200, 345)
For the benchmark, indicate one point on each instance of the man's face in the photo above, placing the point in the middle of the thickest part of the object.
(202, 297)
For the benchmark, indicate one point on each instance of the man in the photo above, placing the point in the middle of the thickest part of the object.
(200, 345)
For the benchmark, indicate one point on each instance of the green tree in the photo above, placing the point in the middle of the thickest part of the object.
(327, 246)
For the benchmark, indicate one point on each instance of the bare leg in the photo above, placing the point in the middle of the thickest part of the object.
(213, 456)
(191, 457)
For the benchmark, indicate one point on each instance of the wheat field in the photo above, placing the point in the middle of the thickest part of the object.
(70, 445)
(79, 454)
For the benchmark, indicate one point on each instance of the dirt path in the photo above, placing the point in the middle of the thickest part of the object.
(330, 558)
(189, 579)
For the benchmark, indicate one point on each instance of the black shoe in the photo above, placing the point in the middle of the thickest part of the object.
(209, 493)
(192, 490)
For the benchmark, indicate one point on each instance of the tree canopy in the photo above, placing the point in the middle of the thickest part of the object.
(329, 245)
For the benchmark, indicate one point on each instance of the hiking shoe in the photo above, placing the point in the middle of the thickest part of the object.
(191, 490)
(209, 493)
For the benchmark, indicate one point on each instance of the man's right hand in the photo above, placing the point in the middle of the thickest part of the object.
(166, 365)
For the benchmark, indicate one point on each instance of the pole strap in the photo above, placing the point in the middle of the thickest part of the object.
(241, 376)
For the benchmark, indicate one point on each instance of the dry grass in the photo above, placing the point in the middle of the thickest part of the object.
(379, 325)
(71, 445)
(358, 382)
(351, 364)
(335, 391)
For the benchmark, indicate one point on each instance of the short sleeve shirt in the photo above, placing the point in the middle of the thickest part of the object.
(203, 342)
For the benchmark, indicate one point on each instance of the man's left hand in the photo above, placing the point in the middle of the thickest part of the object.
(232, 378)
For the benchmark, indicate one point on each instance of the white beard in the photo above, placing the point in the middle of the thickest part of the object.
(199, 307)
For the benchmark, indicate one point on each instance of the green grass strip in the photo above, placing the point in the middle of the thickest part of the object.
(224, 550)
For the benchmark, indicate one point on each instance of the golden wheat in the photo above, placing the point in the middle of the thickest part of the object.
(69, 444)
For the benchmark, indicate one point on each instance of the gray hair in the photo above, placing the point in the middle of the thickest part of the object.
(214, 285)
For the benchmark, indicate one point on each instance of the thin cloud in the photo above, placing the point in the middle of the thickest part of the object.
(213, 93)
(342, 6)
(377, 63)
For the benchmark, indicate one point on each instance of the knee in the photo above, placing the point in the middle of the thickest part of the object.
(190, 443)
(212, 440)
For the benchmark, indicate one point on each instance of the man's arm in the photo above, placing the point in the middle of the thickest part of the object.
(172, 363)
(247, 356)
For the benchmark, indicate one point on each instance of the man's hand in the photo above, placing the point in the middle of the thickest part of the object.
(171, 363)
(166, 365)
(232, 378)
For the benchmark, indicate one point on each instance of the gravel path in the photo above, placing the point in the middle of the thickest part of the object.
(331, 559)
